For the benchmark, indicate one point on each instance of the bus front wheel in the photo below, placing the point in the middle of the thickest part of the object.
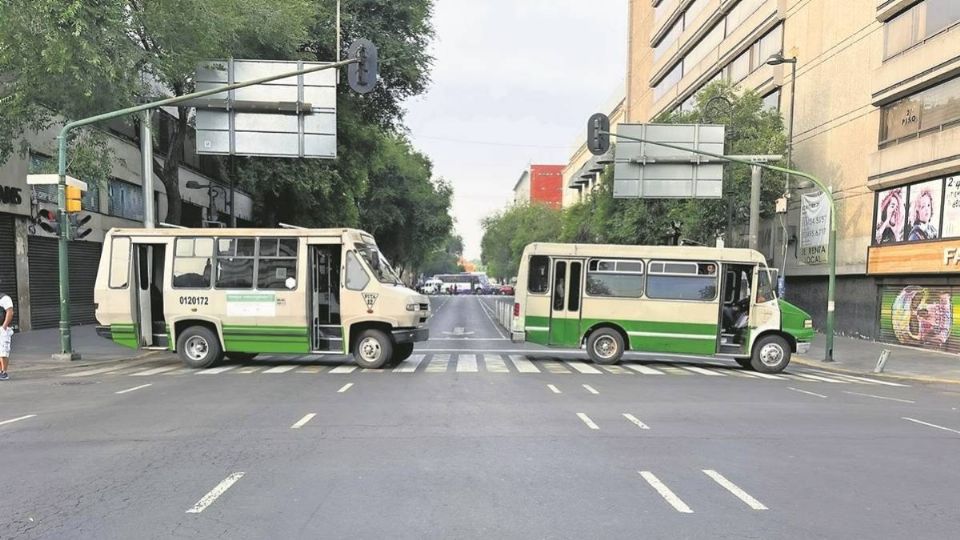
(199, 347)
(771, 354)
(605, 346)
(373, 349)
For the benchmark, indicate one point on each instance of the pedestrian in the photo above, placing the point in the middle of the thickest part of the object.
(6, 334)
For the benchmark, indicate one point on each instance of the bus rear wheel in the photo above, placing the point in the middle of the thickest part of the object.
(199, 347)
(373, 349)
(771, 354)
(605, 346)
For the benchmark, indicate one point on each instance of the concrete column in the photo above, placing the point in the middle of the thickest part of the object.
(21, 237)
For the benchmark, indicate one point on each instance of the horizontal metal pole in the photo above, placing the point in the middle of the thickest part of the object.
(276, 107)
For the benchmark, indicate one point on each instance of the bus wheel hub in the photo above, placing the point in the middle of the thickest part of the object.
(370, 349)
(771, 354)
(605, 347)
(197, 347)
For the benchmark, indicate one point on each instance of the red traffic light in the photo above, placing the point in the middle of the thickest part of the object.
(49, 215)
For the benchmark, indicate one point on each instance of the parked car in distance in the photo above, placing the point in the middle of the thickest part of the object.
(506, 290)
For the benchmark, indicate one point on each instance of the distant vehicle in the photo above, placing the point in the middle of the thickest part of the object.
(458, 283)
(507, 290)
(432, 286)
(210, 293)
(669, 299)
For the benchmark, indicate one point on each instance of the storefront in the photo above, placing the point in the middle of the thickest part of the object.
(915, 257)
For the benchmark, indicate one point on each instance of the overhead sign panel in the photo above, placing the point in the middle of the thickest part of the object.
(649, 171)
(291, 117)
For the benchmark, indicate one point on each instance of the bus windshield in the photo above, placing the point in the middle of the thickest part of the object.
(377, 263)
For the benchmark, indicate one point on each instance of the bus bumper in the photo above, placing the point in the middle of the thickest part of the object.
(411, 335)
(518, 337)
(104, 332)
(803, 347)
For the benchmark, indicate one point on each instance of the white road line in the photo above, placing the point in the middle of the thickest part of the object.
(132, 389)
(216, 492)
(583, 368)
(819, 378)
(616, 370)
(806, 392)
(215, 371)
(91, 372)
(410, 364)
(314, 369)
(864, 379)
(154, 371)
(929, 424)
(554, 367)
(344, 388)
(644, 370)
(495, 364)
(702, 371)
(248, 370)
(300, 423)
(879, 397)
(743, 373)
(735, 489)
(523, 365)
(281, 369)
(766, 375)
(467, 363)
(489, 318)
(586, 420)
(590, 389)
(182, 371)
(665, 492)
(12, 420)
(345, 368)
(438, 364)
(635, 420)
(554, 389)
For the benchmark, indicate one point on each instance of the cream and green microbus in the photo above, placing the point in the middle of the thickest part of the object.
(668, 299)
(209, 293)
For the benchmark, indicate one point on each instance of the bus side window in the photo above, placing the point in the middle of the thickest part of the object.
(357, 278)
(538, 281)
(119, 263)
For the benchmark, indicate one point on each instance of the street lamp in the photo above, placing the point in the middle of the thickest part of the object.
(193, 184)
(775, 60)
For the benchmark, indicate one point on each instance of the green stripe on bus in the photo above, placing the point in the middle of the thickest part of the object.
(267, 339)
(238, 330)
(125, 334)
(652, 336)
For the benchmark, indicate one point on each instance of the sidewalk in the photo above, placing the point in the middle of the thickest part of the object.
(860, 356)
(33, 350)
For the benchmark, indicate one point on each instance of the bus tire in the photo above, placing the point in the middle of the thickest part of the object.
(401, 352)
(199, 347)
(771, 354)
(373, 349)
(745, 363)
(241, 356)
(605, 346)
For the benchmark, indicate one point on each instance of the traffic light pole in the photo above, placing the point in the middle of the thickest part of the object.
(66, 345)
(831, 245)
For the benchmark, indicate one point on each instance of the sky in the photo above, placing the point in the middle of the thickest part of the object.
(513, 83)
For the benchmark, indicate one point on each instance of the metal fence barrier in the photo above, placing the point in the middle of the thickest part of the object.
(505, 313)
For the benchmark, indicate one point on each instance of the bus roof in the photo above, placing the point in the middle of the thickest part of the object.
(353, 234)
(665, 252)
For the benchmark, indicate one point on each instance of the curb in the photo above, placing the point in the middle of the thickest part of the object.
(82, 363)
(913, 378)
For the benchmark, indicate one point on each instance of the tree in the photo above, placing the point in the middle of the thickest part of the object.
(444, 259)
(507, 233)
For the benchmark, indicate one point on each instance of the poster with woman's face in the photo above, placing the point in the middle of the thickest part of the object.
(951, 208)
(923, 221)
(891, 216)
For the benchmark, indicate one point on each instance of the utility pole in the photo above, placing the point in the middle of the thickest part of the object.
(756, 173)
(146, 170)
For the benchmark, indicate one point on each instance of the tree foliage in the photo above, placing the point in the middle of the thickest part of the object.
(506, 233)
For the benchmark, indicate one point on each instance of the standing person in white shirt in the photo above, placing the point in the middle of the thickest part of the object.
(6, 334)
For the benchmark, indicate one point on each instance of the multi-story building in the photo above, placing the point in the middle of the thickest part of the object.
(540, 184)
(28, 253)
(877, 117)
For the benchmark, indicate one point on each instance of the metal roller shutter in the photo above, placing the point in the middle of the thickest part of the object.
(44, 281)
(8, 262)
(921, 316)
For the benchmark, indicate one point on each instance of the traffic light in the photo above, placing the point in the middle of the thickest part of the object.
(362, 75)
(77, 222)
(47, 220)
(598, 134)
(74, 199)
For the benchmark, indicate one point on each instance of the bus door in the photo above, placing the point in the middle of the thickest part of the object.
(326, 329)
(149, 259)
(565, 303)
(764, 309)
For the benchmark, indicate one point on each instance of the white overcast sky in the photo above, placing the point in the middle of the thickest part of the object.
(513, 83)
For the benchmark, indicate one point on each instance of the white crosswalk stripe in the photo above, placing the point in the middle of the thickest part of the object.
(215, 371)
(819, 378)
(644, 370)
(438, 364)
(467, 363)
(766, 376)
(583, 367)
(702, 371)
(344, 368)
(410, 364)
(523, 365)
(495, 364)
(280, 369)
(154, 371)
(863, 379)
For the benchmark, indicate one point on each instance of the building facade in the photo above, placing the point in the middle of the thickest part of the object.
(28, 253)
(540, 184)
(877, 117)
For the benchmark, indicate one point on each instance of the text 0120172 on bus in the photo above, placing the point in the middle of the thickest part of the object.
(207, 293)
(668, 299)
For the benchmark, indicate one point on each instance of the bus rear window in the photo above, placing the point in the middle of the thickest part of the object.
(538, 282)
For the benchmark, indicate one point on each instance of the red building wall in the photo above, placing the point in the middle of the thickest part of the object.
(546, 184)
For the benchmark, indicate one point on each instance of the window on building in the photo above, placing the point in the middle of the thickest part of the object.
(771, 101)
(740, 67)
(692, 11)
(125, 199)
(616, 278)
(662, 9)
(668, 39)
(740, 13)
(918, 23)
(704, 47)
(539, 279)
(668, 82)
(670, 280)
(277, 262)
(235, 262)
(930, 109)
(193, 263)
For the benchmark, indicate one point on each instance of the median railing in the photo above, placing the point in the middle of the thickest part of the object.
(505, 313)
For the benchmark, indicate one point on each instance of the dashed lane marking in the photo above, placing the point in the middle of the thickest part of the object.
(590, 389)
(215, 493)
(301, 422)
(586, 420)
(735, 489)
(665, 492)
(344, 388)
(879, 397)
(133, 389)
(635, 421)
(12, 420)
(554, 389)
(806, 392)
(921, 422)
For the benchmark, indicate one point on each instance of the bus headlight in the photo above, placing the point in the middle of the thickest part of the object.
(413, 307)
(808, 323)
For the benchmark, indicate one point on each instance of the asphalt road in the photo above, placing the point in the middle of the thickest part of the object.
(474, 437)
